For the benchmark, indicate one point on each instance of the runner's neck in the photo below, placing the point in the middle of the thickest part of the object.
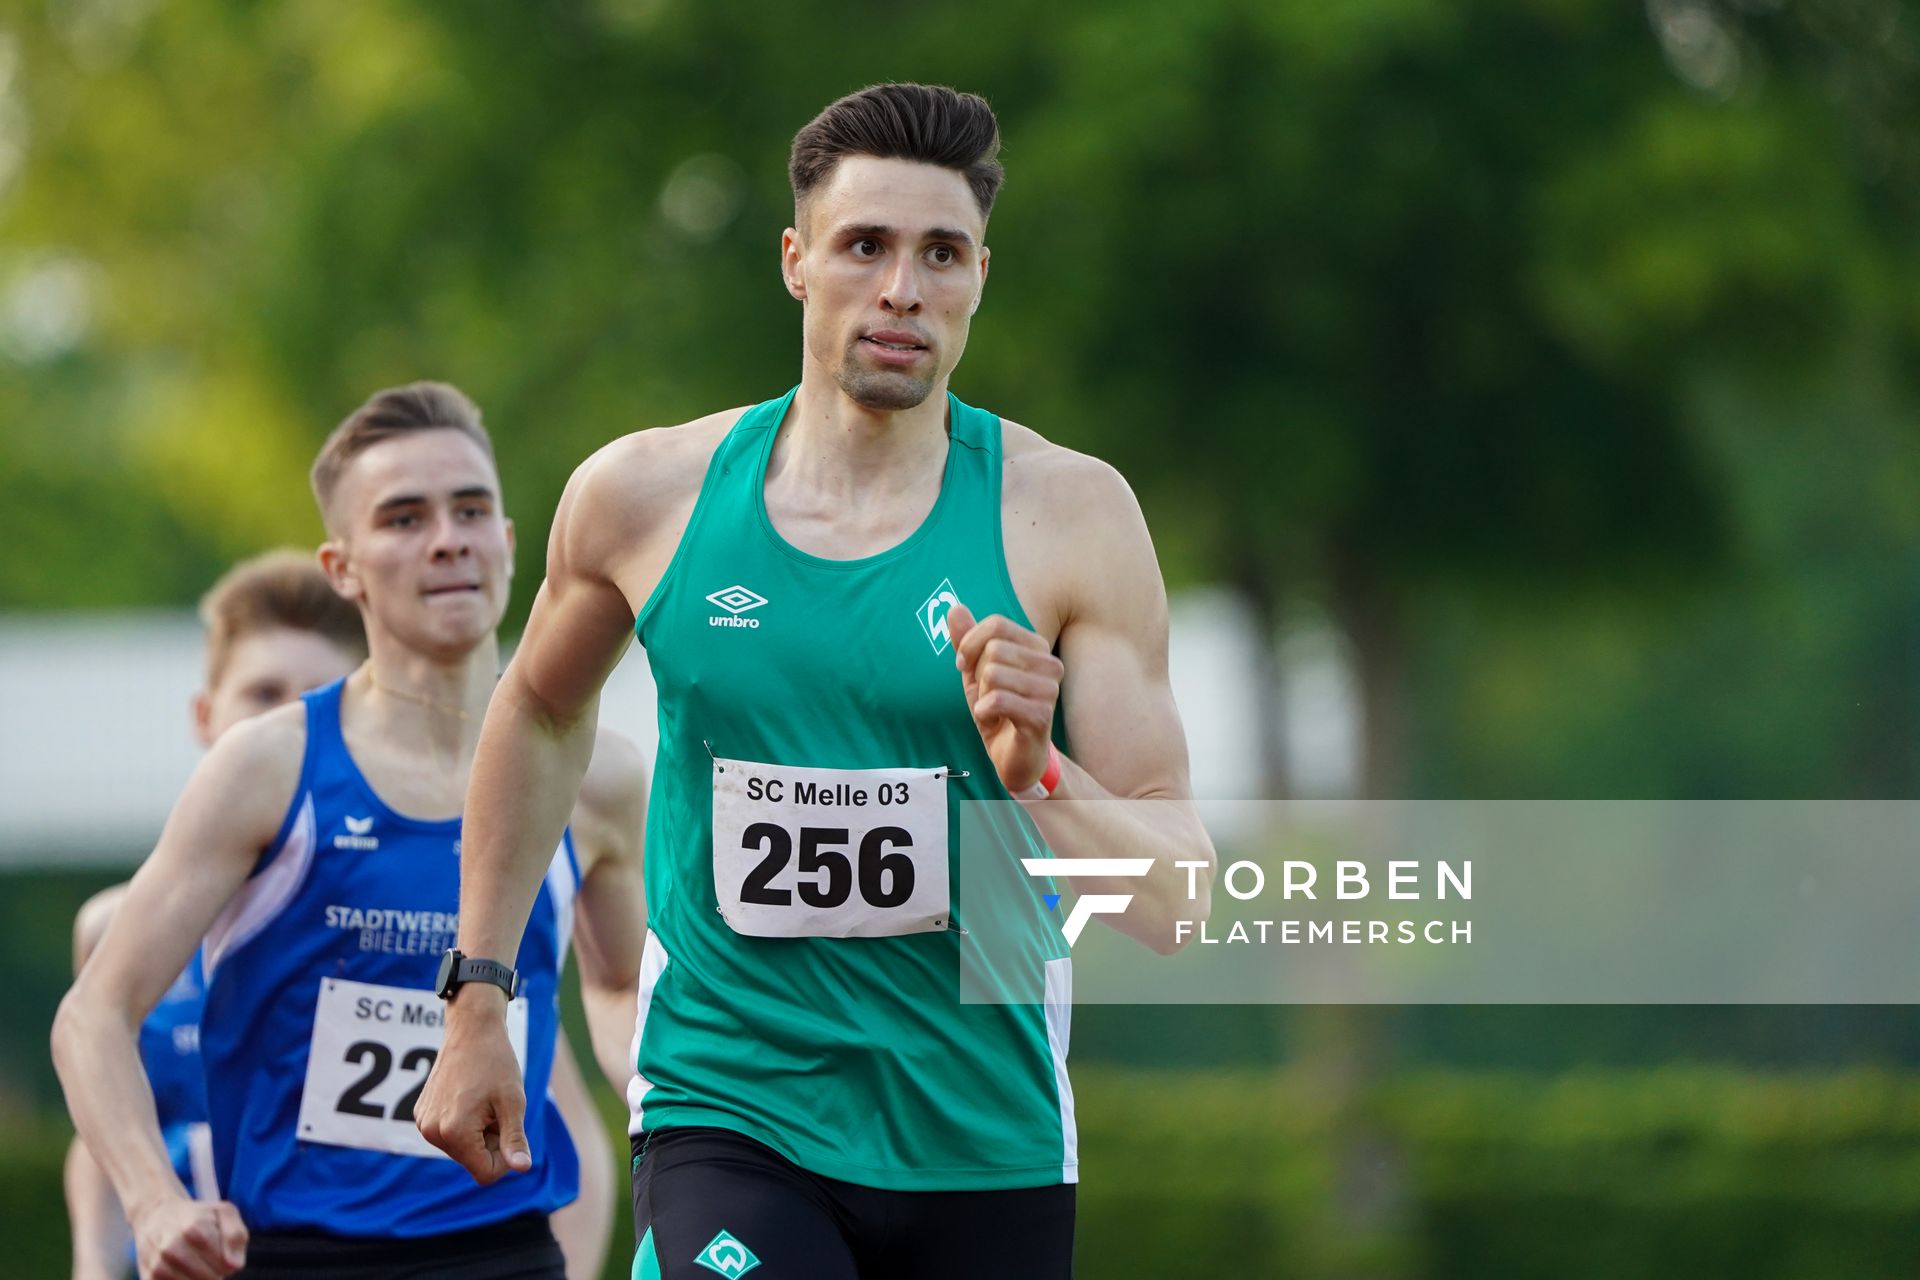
(830, 447)
(411, 696)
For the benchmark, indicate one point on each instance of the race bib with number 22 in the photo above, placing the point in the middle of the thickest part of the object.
(368, 1061)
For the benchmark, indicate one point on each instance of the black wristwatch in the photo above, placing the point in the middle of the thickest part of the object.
(457, 971)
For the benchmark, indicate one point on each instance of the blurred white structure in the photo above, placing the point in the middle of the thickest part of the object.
(95, 739)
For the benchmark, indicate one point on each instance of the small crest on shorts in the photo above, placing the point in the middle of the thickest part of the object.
(727, 1256)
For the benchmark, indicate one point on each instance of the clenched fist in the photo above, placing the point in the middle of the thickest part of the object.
(474, 1106)
(182, 1239)
(1012, 682)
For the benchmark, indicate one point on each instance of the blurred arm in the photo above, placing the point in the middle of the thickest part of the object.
(584, 1227)
(100, 1234)
(99, 1229)
(610, 916)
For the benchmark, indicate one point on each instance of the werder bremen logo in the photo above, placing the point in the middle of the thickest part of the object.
(727, 1256)
(933, 615)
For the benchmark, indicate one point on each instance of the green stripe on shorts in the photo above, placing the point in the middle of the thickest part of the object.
(646, 1263)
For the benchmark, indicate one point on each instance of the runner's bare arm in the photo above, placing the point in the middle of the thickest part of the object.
(623, 508)
(229, 812)
(98, 1227)
(99, 1231)
(613, 534)
(91, 921)
(610, 920)
(583, 1228)
(1102, 588)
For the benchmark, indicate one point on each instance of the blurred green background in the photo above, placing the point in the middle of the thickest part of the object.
(1555, 360)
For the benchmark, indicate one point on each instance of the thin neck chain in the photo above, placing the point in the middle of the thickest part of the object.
(417, 699)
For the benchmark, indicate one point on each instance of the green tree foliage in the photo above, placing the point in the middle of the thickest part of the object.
(1392, 304)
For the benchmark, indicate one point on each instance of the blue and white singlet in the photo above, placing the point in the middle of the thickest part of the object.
(321, 1023)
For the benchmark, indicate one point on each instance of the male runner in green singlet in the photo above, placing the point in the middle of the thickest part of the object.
(805, 575)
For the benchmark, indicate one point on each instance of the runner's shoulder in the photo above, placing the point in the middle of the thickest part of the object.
(1063, 489)
(255, 765)
(1075, 536)
(634, 486)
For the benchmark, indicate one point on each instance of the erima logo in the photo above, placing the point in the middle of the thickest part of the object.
(727, 1256)
(933, 615)
(736, 600)
(1091, 904)
(357, 837)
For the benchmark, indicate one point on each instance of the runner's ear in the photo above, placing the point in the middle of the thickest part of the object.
(202, 711)
(337, 564)
(791, 251)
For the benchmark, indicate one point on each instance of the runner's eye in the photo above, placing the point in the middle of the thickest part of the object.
(866, 247)
(942, 255)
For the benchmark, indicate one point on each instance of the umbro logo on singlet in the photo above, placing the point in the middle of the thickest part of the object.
(356, 836)
(736, 600)
(933, 615)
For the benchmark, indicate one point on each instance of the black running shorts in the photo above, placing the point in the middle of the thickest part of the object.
(710, 1202)
(520, 1248)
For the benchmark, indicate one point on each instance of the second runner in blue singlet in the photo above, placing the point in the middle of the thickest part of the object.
(321, 1021)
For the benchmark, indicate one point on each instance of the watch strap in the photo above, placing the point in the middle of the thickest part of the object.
(465, 969)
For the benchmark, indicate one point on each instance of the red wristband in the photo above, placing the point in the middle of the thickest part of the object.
(1049, 778)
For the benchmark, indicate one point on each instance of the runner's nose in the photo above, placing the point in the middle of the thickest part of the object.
(900, 290)
(451, 541)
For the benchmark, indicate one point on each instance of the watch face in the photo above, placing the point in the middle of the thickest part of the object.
(442, 985)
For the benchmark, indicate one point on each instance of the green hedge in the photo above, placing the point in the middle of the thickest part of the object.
(1672, 1172)
(33, 1210)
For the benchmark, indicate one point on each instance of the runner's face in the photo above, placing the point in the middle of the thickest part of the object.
(890, 268)
(264, 669)
(421, 544)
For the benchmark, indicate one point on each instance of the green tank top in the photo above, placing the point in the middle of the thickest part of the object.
(802, 981)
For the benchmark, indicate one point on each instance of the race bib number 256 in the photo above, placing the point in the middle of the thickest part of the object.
(829, 853)
(368, 1061)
